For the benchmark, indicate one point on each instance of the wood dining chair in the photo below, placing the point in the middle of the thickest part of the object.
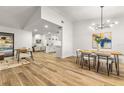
(78, 56)
(104, 58)
(86, 58)
(115, 61)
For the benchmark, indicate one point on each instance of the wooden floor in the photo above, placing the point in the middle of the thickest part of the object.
(51, 71)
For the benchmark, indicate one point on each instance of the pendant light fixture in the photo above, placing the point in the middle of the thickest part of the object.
(102, 25)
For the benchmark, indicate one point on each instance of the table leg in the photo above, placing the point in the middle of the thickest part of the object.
(81, 59)
(111, 66)
(89, 61)
(82, 62)
(116, 57)
(115, 62)
(18, 56)
(76, 57)
(118, 66)
(32, 55)
(94, 63)
(107, 66)
(98, 64)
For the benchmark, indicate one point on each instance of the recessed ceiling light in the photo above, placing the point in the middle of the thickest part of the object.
(49, 32)
(35, 30)
(116, 22)
(111, 25)
(108, 21)
(46, 26)
(93, 24)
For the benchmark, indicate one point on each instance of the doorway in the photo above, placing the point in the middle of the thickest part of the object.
(48, 38)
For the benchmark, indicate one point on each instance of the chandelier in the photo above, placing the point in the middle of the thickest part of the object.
(102, 25)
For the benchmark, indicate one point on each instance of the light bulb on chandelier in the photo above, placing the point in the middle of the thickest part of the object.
(107, 24)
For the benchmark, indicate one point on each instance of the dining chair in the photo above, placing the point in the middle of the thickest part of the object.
(104, 57)
(77, 56)
(115, 57)
(115, 60)
(86, 58)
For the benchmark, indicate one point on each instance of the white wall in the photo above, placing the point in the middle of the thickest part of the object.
(83, 35)
(54, 16)
(22, 38)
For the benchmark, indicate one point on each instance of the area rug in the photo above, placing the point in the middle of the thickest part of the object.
(12, 62)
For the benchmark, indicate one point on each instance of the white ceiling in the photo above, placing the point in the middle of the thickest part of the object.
(25, 17)
(76, 13)
(29, 17)
(16, 16)
(40, 26)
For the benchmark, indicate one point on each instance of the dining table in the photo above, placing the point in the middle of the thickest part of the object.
(113, 53)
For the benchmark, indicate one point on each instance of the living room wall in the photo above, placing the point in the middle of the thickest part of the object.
(22, 38)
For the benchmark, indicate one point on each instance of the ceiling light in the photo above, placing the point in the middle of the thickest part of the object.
(35, 30)
(91, 28)
(49, 32)
(46, 26)
(116, 22)
(93, 24)
(102, 25)
(108, 21)
(111, 25)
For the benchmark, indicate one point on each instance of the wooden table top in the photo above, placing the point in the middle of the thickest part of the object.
(104, 52)
(23, 50)
(116, 53)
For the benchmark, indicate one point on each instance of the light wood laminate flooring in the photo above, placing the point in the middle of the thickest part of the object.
(47, 70)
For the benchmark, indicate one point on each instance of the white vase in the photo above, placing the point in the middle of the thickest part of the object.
(98, 47)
